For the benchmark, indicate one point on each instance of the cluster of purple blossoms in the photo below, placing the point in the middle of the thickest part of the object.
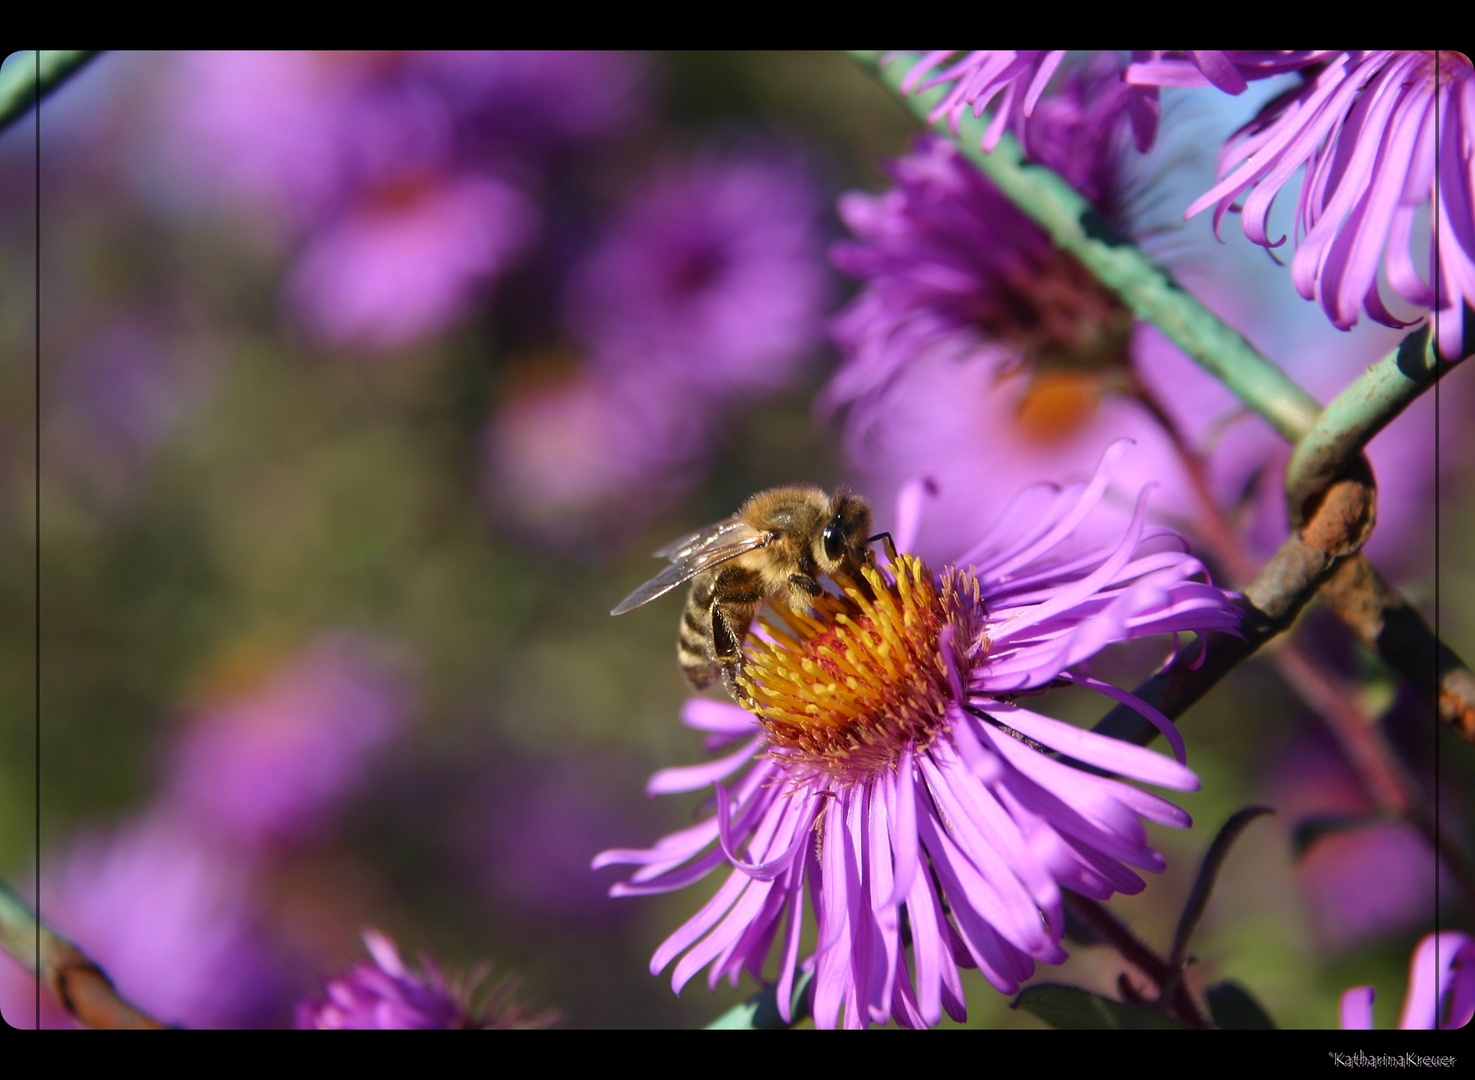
(404, 180)
(1441, 988)
(708, 290)
(1380, 135)
(388, 996)
(893, 769)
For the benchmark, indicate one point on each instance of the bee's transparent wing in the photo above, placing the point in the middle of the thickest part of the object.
(693, 542)
(689, 566)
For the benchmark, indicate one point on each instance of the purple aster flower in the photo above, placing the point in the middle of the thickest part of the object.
(980, 356)
(713, 275)
(892, 766)
(949, 266)
(1230, 71)
(387, 995)
(168, 916)
(401, 177)
(1363, 127)
(408, 261)
(1018, 80)
(273, 764)
(1441, 988)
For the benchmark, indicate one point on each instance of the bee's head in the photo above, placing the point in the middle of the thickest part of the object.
(842, 542)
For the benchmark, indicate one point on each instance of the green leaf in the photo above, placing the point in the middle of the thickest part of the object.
(1071, 1008)
(1233, 1009)
(760, 1012)
(1203, 885)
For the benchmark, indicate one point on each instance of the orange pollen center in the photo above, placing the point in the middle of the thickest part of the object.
(1058, 404)
(847, 688)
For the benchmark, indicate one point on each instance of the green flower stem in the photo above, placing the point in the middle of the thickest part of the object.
(1144, 286)
(1358, 413)
(76, 982)
(1100, 918)
(19, 88)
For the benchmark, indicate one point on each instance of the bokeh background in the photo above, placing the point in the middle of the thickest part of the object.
(368, 382)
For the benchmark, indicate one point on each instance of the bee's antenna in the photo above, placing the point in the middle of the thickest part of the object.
(890, 544)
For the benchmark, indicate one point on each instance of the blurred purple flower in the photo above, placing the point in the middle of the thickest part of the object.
(1362, 883)
(264, 128)
(168, 916)
(591, 458)
(949, 267)
(1363, 127)
(388, 996)
(402, 176)
(713, 276)
(273, 765)
(409, 262)
(120, 397)
(299, 134)
(922, 781)
(1441, 988)
(1018, 80)
(708, 290)
(531, 833)
(516, 100)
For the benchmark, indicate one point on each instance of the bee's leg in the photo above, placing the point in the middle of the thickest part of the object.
(807, 583)
(729, 626)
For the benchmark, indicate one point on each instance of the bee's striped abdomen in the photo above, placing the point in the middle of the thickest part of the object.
(694, 637)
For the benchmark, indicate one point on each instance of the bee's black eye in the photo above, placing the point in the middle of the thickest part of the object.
(834, 537)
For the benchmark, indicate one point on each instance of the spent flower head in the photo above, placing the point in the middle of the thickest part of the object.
(893, 768)
(389, 995)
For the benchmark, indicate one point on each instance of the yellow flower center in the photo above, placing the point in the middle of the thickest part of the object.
(847, 688)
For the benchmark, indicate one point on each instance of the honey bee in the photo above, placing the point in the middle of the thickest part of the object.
(777, 544)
